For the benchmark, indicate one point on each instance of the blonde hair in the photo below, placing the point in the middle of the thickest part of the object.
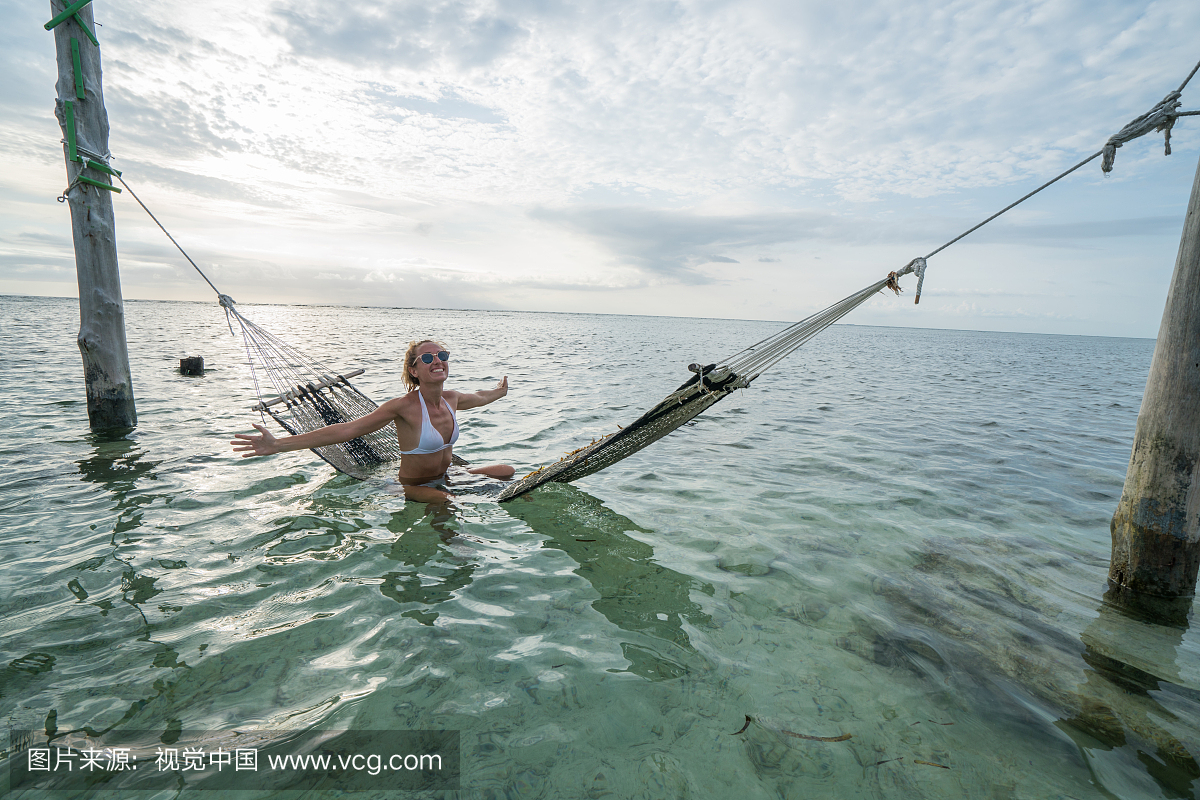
(410, 360)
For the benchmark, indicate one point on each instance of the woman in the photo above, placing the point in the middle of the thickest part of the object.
(426, 426)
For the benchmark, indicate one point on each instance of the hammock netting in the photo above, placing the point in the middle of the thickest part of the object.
(309, 396)
(708, 386)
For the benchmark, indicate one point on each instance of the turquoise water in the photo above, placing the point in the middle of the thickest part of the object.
(897, 534)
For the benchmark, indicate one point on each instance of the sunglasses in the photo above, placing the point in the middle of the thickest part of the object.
(443, 355)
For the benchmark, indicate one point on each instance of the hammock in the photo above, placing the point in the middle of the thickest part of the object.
(707, 387)
(309, 396)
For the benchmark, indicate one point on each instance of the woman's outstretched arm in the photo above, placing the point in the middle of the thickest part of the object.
(266, 444)
(483, 396)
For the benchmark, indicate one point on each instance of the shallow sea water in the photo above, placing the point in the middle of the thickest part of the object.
(896, 534)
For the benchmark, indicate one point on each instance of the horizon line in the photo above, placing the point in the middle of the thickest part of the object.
(593, 313)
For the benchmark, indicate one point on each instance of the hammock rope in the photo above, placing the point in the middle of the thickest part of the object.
(313, 396)
(708, 386)
(308, 395)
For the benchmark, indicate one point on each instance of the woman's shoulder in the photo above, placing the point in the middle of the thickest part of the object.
(407, 397)
(404, 404)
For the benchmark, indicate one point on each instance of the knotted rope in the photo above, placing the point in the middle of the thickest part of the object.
(1160, 118)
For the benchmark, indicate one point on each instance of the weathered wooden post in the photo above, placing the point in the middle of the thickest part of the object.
(80, 112)
(1156, 528)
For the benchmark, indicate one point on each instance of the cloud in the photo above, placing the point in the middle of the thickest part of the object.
(671, 243)
(447, 105)
(142, 174)
(408, 33)
(1072, 234)
(173, 126)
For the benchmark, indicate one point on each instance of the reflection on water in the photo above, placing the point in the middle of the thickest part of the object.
(637, 594)
(119, 466)
(421, 583)
(1131, 686)
(1120, 699)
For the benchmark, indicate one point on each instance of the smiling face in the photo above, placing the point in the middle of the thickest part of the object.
(417, 371)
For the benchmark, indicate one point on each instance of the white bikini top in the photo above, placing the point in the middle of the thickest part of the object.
(431, 441)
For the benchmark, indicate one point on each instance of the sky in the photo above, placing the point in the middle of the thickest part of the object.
(749, 159)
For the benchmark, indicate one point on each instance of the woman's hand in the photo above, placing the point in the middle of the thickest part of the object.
(502, 387)
(250, 445)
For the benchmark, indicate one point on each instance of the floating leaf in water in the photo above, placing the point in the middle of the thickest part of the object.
(773, 727)
(742, 729)
(929, 763)
(844, 737)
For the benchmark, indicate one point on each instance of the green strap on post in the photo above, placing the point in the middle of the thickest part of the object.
(72, 154)
(66, 14)
(87, 32)
(78, 68)
(99, 184)
(100, 165)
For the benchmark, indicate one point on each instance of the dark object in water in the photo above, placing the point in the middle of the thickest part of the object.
(844, 737)
(192, 365)
(929, 763)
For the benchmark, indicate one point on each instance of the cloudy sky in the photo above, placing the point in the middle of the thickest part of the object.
(747, 159)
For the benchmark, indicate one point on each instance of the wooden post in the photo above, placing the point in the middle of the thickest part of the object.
(1156, 528)
(80, 112)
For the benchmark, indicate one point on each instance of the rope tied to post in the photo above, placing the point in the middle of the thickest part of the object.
(918, 266)
(226, 302)
(1160, 118)
(66, 193)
